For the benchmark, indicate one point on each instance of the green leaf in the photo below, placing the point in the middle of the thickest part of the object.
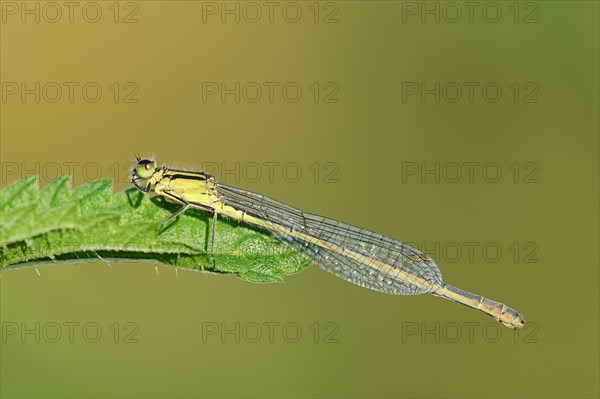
(63, 225)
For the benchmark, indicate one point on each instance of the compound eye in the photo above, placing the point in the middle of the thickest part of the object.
(145, 168)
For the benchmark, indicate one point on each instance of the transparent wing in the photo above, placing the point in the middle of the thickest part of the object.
(371, 246)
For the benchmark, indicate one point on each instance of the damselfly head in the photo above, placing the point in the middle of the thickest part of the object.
(142, 172)
(145, 168)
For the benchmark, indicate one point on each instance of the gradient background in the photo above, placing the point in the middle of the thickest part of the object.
(370, 135)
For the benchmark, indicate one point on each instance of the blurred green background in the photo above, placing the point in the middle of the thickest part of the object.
(363, 144)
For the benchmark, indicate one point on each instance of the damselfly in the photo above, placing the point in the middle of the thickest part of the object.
(356, 255)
